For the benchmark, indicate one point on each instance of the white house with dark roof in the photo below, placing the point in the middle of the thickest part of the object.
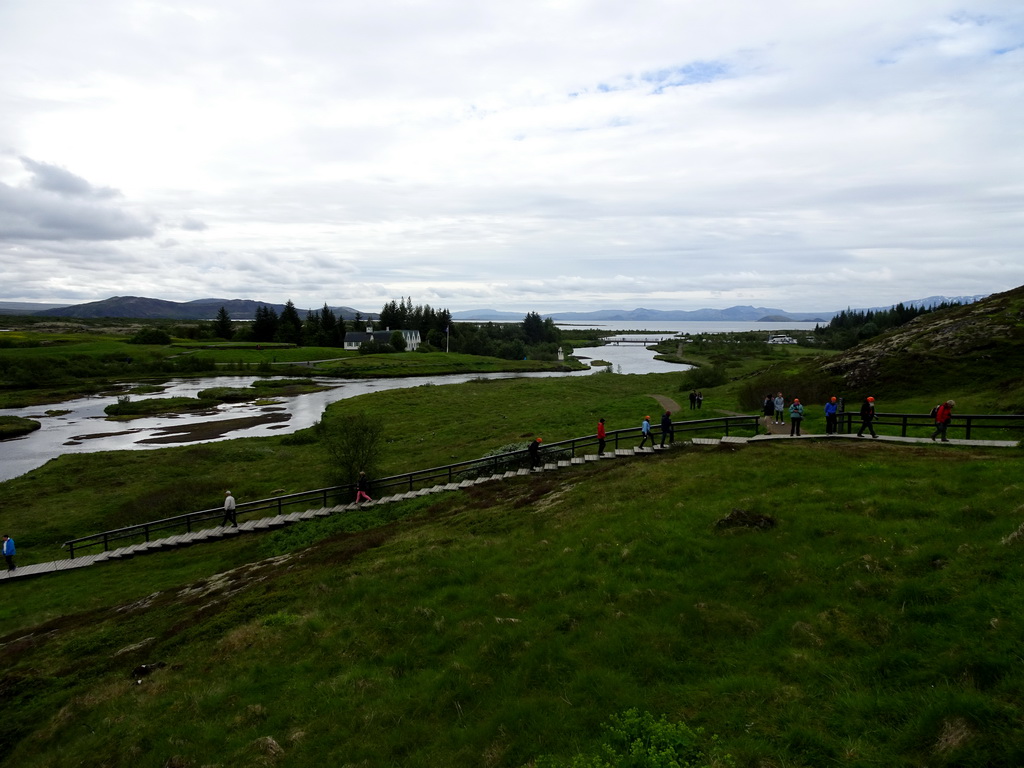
(355, 339)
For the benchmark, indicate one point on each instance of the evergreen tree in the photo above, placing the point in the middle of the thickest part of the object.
(289, 327)
(329, 328)
(312, 328)
(264, 327)
(222, 325)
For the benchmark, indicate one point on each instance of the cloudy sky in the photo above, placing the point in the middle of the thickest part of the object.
(533, 156)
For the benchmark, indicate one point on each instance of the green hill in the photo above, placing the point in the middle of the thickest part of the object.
(977, 346)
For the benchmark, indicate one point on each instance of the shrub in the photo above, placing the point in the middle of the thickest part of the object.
(704, 377)
(637, 740)
(151, 336)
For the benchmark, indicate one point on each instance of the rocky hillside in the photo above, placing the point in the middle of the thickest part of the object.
(979, 345)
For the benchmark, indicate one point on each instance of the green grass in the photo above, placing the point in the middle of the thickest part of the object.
(872, 626)
(16, 426)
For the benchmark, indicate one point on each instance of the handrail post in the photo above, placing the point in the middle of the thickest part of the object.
(967, 436)
(106, 543)
(72, 550)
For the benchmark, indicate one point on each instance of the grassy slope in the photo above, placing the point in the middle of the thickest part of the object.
(873, 626)
(973, 353)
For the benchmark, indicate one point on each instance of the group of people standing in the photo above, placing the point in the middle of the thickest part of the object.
(774, 412)
(696, 399)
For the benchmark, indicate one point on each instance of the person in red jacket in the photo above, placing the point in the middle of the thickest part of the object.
(942, 418)
(600, 437)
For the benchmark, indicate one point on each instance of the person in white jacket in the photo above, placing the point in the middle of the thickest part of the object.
(780, 406)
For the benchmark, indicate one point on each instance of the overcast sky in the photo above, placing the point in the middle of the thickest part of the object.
(533, 156)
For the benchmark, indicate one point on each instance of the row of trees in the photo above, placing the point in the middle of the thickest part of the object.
(320, 328)
(535, 337)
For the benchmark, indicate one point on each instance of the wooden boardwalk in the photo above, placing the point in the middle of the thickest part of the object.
(219, 533)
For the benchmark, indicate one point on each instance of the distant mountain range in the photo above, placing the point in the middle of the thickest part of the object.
(245, 309)
(136, 307)
(732, 314)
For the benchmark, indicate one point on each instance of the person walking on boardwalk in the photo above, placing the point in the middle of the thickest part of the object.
(363, 488)
(667, 430)
(229, 511)
(534, 450)
(796, 417)
(780, 404)
(9, 552)
(831, 416)
(867, 417)
(943, 416)
(645, 428)
(600, 437)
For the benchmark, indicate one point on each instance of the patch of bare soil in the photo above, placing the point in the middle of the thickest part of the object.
(209, 430)
(741, 518)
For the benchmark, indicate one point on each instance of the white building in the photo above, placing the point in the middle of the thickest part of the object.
(355, 339)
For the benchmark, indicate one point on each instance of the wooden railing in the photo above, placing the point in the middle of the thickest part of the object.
(969, 424)
(409, 481)
(453, 473)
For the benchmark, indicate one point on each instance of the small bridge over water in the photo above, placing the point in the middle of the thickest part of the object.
(644, 341)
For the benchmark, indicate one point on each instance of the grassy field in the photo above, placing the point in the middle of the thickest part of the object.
(877, 623)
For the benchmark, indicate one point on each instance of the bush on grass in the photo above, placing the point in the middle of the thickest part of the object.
(637, 740)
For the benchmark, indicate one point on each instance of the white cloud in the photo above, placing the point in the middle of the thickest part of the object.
(526, 156)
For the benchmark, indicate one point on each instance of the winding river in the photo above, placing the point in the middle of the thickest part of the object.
(80, 426)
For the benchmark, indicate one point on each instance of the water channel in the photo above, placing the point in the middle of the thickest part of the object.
(80, 426)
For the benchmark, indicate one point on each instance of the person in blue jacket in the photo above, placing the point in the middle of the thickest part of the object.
(832, 416)
(9, 552)
(645, 427)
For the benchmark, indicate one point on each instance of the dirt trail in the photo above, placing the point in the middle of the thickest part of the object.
(667, 403)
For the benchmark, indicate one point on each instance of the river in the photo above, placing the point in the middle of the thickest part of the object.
(85, 429)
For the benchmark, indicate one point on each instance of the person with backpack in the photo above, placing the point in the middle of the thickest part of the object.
(363, 488)
(943, 416)
(668, 430)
